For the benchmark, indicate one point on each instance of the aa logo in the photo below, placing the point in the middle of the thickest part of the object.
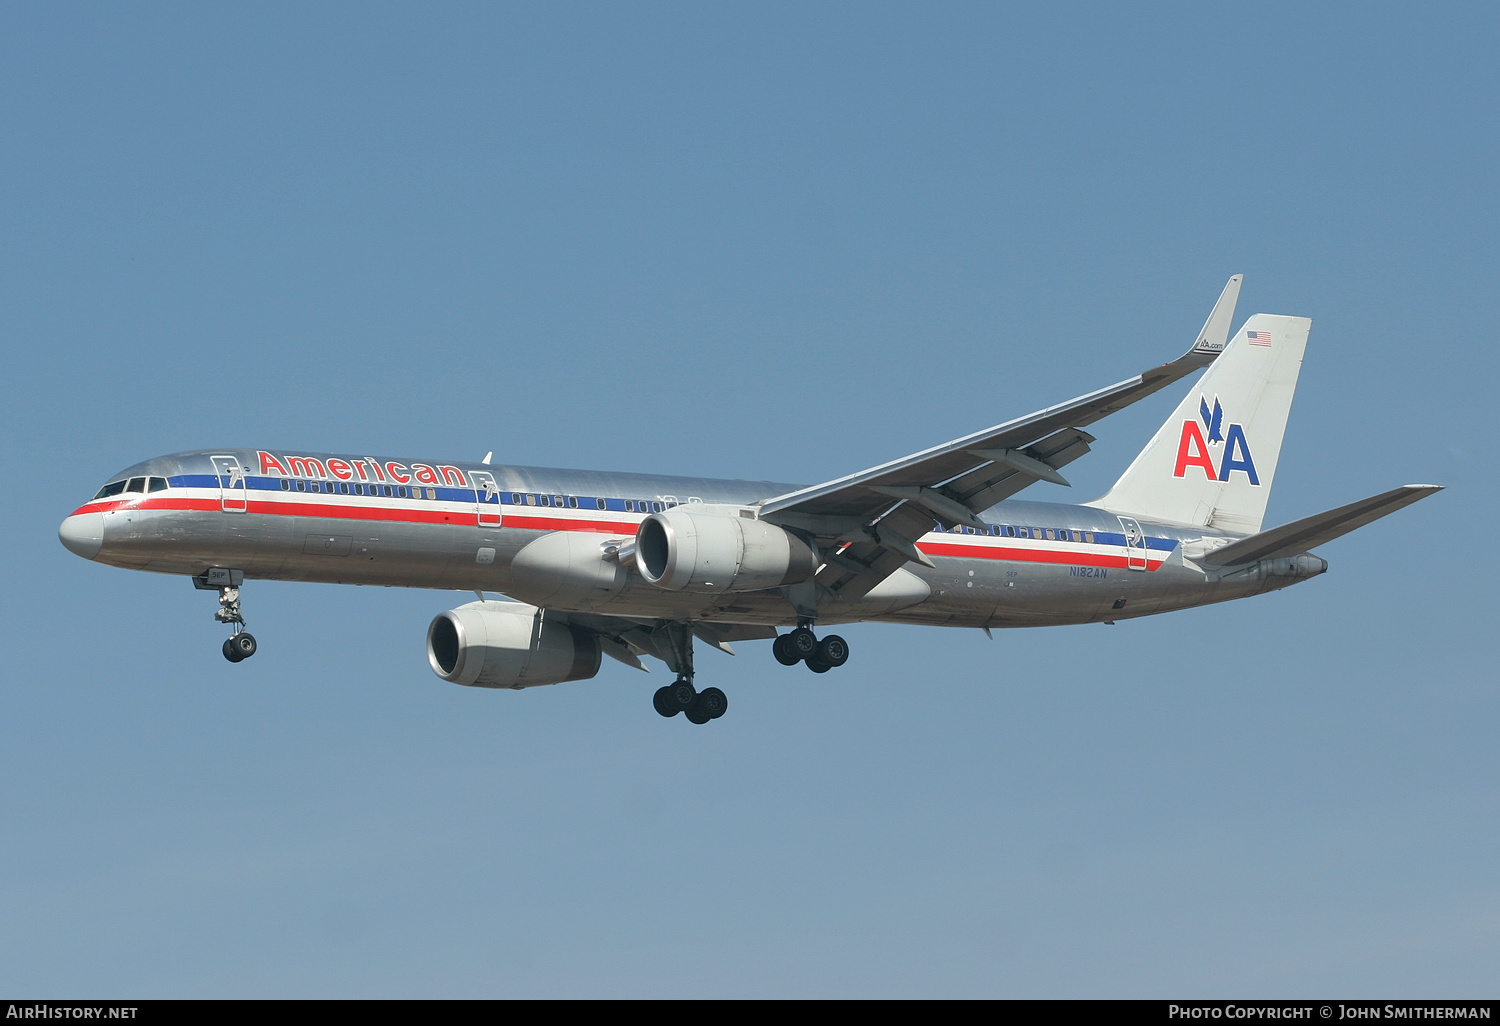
(1194, 450)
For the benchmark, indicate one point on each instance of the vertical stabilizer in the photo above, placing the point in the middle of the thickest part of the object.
(1212, 462)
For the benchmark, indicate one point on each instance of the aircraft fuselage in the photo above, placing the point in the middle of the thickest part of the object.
(543, 537)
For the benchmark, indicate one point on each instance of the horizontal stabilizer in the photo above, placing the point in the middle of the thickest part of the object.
(1302, 535)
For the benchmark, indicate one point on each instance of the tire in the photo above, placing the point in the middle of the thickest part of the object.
(231, 652)
(802, 642)
(244, 644)
(817, 665)
(833, 650)
(783, 652)
(683, 694)
(712, 702)
(664, 703)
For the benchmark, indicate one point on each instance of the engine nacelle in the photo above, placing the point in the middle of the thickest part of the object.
(682, 549)
(509, 645)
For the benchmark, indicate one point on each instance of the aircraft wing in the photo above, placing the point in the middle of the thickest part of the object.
(1304, 534)
(867, 523)
(626, 639)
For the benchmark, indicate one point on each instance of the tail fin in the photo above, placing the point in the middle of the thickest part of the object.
(1212, 462)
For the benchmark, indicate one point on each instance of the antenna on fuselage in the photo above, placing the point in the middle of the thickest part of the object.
(487, 457)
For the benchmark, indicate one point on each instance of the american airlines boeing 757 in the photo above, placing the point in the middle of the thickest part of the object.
(628, 565)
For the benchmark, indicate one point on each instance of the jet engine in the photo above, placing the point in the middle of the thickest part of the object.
(509, 645)
(685, 549)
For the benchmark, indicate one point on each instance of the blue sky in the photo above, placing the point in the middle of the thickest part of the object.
(784, 242)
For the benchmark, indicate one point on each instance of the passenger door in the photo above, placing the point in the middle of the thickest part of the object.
(486, 498)
(233, 497)
(1135, 544)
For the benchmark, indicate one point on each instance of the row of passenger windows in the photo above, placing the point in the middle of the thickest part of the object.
(586, 502)
(345, 488)
(134, 484)
(1039, 533)
(157, 484)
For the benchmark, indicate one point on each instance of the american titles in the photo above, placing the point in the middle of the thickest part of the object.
(361, 469)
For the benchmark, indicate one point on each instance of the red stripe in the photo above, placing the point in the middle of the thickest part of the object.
(413, 515)
(420, 515)
(1031, 555)
(561, 524)
(105, 505)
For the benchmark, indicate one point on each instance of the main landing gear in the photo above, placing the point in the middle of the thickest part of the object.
(241, 644)
(675, 642)
(681, 697)
(802, 645)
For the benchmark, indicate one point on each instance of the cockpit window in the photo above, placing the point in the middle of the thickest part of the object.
(137, 484)
(157, 484)
(113, 488)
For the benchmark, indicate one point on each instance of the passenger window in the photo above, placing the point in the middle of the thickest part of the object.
(557, 500)
(601, 503)
(530, 499)
(1062, 536)
(656, 507)
(385, 490)
(344, 487)
(572, 502)
(286, 485)
(629, 505)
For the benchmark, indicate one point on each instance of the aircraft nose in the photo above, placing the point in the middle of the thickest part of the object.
(83, 534)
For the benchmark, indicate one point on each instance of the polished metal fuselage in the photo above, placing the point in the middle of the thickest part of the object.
(473, 529)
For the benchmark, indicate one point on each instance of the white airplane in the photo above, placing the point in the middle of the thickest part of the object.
(628, 565)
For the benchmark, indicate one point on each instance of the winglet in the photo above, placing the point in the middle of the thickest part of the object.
(1215, 333)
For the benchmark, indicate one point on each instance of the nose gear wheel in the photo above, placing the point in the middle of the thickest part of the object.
(240, 645)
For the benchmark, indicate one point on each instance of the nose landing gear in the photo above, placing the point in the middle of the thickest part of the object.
(240, 645)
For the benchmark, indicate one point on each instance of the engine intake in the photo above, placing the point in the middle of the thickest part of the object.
(683, 550)
(509, 645)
